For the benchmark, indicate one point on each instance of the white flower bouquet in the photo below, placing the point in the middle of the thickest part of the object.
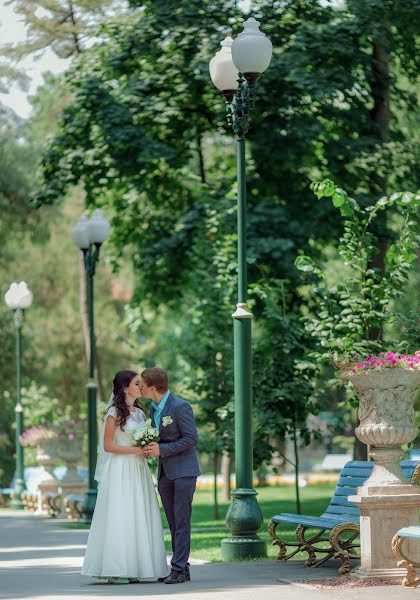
(145, 434)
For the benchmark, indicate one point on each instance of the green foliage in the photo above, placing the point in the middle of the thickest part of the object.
(144, 135)
(16, 171)
(38, 404)
(410, 324)
(284, 378)
(350, 316)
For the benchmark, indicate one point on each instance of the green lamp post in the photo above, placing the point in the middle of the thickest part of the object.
(235, 70)
(18, 298)
(89, 235)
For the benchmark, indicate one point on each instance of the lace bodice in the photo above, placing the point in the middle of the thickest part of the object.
(136, 418)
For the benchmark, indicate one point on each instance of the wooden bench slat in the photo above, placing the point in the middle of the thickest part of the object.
(342, 510)
(351, 481)
(337, 500)
(327, 522)
(356, 472)
(345, 491)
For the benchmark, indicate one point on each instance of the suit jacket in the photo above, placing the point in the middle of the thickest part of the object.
(178, 440)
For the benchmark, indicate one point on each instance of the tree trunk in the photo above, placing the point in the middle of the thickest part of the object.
(76, 42)
(200, 158)
(215, 473)
(296, 452)
(380, 112)
(380, 115)
(360, 449)
(226, 470)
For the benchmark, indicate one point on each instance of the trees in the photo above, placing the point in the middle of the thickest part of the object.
(65, 26)
(144, 127)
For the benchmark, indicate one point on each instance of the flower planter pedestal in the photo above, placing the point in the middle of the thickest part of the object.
(387, 500)
(46, 452)
(70, 452)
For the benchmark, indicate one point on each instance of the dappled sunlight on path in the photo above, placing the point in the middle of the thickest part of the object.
(41, 560)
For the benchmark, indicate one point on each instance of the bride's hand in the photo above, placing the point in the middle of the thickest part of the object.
(140, 451)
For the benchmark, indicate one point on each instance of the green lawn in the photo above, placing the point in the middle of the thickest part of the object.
(205, 545)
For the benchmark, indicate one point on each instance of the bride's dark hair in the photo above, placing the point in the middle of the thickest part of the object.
(122, 380)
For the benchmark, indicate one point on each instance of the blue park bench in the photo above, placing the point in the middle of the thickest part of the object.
(339, 525)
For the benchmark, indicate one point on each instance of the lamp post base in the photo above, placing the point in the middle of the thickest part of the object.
(244, 519)
(16, 496)
(89, 506)
(237, 548)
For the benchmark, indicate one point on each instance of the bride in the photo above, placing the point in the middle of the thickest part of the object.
(126, 537)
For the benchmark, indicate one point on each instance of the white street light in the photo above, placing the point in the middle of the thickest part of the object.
(18, 296)
(91, 231)
(99, 227)
(223, 72)
(80, 233)
(252, 49)
(235, 70)
(89, 235)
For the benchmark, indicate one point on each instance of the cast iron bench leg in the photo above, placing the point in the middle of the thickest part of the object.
(307, 545)
(282, 556)
(343, 548)
(410, 580)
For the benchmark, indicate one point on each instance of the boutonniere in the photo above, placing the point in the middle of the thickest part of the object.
(167, 421)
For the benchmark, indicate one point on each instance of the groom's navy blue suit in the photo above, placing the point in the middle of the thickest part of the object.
(177, 474)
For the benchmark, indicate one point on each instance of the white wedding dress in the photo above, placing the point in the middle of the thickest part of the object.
(126, 534)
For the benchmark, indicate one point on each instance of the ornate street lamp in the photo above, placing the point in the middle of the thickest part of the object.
(235, 70)
(18, 298)
(89, 235)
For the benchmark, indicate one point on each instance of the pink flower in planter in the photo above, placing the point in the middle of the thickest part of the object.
(383, 360)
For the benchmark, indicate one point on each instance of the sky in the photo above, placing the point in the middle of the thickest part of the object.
(12, 30)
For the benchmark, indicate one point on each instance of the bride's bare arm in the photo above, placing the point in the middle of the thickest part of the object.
(109, 446)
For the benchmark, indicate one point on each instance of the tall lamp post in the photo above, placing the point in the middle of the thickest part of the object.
(89, 235)
(235, 70)
(18, 298)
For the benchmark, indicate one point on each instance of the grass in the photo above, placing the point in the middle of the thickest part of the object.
(205, 545)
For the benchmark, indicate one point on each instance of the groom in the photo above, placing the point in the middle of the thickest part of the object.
(178, 465)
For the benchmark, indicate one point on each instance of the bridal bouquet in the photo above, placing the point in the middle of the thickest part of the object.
(144, 434)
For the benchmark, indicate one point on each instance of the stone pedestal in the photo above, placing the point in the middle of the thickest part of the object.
(380, 518)
(387, 500)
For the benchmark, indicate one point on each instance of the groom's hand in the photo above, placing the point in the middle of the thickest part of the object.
(152, 449)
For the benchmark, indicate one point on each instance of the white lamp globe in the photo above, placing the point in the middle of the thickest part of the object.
(252, 49)
(99, 227)
(18, 296)
(223, 72)
(80, 233)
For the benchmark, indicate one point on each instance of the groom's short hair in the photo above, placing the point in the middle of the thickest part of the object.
(156, 377)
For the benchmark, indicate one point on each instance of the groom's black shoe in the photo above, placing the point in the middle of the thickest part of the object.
(175, 577)
(186, 573)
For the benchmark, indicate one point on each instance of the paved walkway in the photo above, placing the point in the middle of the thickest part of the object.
(39, 560)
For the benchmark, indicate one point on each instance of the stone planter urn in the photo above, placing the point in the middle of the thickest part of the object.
(387, 500)
(71, 453)
(46, 456)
